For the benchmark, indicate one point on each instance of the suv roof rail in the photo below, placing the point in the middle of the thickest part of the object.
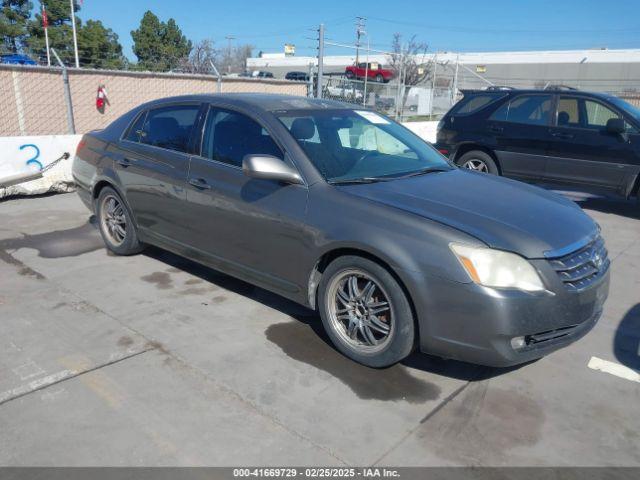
(549, 86)
(493, 88)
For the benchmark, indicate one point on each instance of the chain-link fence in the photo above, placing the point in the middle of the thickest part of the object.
(410, 86)
(33, 99)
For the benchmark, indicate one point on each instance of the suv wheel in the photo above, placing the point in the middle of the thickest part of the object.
(350, 75)
(379, 78)
(365, 312)
(478, 161)
(116, 226)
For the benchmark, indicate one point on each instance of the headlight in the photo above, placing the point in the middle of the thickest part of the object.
(496, 268)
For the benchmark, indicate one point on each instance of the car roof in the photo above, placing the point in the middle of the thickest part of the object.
(259, 101)
(512, 91)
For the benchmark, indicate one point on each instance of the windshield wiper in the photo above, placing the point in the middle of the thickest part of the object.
(352, 181)
(424, 171)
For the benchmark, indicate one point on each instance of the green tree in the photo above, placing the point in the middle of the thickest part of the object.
(60, 30)
(159, 46)
(13, 23)
(98, 47)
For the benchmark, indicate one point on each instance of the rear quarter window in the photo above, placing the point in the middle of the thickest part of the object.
(474, 103)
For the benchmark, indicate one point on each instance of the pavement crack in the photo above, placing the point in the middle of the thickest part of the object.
(59, 377)
(428, 416)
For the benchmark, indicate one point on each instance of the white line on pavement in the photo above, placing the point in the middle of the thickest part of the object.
(614, 369)
(35, 385)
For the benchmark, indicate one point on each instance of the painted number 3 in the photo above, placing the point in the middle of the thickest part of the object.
(33, 160)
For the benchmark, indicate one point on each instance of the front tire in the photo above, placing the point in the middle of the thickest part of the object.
(365, 312)
(379, 78)
(116, 225)
(478, 161)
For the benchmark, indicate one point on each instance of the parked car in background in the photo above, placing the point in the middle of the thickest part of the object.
(348, 212)
(297, 76)
(563, 136)
(344, 90)
(373, 72)
(16, 59)
(261, 74)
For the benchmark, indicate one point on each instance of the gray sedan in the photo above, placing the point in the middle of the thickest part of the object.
(347, 212)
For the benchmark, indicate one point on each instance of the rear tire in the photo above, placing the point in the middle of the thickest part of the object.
(365, 312)
(116, 224)
(478, 161)
(379, 78)
(350, 75)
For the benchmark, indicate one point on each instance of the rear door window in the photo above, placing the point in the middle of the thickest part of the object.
(170, 127)
(568, 112)
(526, 109)
(136, 131)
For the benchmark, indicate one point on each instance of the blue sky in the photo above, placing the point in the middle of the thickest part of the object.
(460, 25)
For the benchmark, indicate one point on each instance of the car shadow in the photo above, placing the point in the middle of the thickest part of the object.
(626, 342)
(305, 339)
(601, 203)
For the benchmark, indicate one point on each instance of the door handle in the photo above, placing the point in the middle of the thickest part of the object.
(200, 183)
(125, 162)
(496, 129)
(562, 135)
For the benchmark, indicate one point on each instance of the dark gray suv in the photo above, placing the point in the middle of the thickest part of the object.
(347, 212)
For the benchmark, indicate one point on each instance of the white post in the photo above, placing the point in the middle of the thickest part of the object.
(75, 36)
(454, 93)
(433, 83)
(46, 34)
(366, 75)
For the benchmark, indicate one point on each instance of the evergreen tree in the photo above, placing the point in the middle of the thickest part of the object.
(13, 24)
(98, 47)
(159, 46)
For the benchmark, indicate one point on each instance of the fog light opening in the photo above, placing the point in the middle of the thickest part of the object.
(518, 343)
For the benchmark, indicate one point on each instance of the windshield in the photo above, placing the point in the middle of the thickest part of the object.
(347, 145)
(626, 106)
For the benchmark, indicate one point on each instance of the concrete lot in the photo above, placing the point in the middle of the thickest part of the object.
(153, 360)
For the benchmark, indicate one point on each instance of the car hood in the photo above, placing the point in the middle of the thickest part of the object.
(503, 213)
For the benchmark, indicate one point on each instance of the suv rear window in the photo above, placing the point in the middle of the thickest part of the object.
(473, 103)
(529, 109)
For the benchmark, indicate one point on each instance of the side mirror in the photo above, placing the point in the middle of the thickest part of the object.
(269, 167)
(616, 126)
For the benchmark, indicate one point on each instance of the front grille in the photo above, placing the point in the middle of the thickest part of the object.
(579, 269)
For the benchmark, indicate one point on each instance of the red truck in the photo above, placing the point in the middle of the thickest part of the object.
(373, 72)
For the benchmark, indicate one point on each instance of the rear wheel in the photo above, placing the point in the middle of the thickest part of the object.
(365, 312)
(350, 75)
(116, 226)
(379, 78)
(478, 161)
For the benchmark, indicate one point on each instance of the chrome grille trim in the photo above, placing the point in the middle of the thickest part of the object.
(579, 269)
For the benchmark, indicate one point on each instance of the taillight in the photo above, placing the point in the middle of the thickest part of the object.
(80, 146)
(443, 151)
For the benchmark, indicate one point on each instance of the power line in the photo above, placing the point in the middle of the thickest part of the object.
(483, 30)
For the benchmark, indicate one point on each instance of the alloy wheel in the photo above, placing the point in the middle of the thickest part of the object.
(360, 311)
(477, 165)
(113, 219)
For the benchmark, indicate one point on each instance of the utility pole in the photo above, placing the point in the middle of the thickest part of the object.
(320, 60)
(75, 36)
(360, 24)
(229, 39)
